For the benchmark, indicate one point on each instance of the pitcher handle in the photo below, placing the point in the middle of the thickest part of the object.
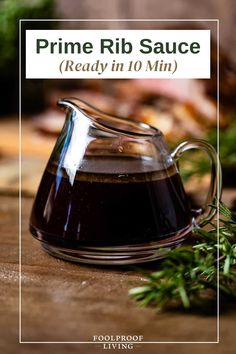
(207, 212)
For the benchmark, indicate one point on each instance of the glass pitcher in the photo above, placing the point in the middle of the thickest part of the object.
(111, 192)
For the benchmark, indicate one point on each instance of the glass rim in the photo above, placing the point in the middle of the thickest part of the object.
(112, 123)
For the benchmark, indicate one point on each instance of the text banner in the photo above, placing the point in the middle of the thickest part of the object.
(117, 54)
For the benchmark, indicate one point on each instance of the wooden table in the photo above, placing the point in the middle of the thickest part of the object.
(62, 301)
(65, 302)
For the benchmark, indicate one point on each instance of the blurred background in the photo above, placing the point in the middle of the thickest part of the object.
(181, 109)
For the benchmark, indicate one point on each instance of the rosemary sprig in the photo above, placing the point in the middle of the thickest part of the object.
(188, 276)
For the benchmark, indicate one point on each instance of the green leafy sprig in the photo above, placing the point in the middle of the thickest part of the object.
(190, 275)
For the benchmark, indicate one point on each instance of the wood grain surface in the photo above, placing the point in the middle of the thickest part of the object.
(62, 301)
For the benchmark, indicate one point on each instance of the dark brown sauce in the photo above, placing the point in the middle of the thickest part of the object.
(108, 209)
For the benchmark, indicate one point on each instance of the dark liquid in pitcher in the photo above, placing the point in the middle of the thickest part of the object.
(105, 209)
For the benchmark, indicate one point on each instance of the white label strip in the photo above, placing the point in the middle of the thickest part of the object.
(59, 54)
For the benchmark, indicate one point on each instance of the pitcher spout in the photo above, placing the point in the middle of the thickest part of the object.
(71, 103)
(78, 139)
(108, 122)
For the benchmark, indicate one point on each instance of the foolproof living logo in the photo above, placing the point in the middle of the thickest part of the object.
(118, 342)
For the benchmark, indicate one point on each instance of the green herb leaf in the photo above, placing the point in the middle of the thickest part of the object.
(188, 274)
